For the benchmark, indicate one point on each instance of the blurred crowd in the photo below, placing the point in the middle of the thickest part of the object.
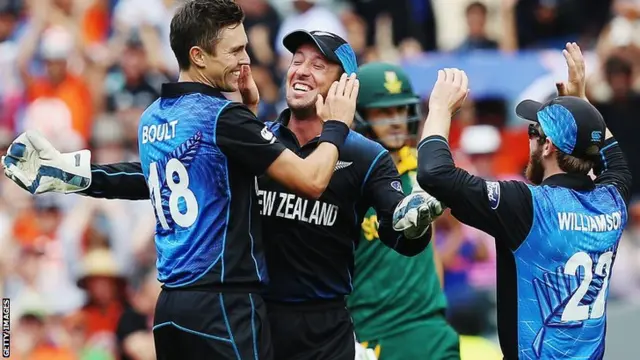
(80, 272)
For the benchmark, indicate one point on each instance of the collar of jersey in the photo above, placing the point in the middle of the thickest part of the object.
(571, 181)
(284, 117)
(177, 89)
(408, 160)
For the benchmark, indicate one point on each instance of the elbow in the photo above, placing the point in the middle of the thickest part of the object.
(313, 190)
(433, 178)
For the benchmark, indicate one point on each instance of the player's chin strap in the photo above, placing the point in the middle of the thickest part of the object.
(415, 213)
(36, 166)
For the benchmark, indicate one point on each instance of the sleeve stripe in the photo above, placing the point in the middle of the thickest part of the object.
(117, 173)
(605, 165)
(373, 163)
(430, 140)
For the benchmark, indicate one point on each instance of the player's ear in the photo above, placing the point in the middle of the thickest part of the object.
(197, 56)
(548, 148)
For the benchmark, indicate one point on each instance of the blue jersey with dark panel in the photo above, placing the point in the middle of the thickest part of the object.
(188, 182)
(563, 271)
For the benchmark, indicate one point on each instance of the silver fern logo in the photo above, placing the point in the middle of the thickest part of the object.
(342, 164)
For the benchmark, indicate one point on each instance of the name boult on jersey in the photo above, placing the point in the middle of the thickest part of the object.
(293, 207)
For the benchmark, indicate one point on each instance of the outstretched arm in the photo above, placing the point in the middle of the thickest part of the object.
(117, 181)
(384, 190)
(36, 166)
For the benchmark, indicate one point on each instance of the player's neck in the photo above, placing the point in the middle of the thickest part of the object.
(194, 76)
(550, 169)
(305, 129)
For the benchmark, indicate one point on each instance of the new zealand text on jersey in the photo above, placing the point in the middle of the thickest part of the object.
(290, 206)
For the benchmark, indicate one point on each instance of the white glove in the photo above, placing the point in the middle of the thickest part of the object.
(36, 166)
(415, 213)
(363, 353)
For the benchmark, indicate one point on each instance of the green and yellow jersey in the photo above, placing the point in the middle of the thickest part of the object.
(393, 293)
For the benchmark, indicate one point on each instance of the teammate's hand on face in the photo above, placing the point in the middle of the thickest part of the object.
(577, 84)
(340, 103)
(450, 91)
(248, 88)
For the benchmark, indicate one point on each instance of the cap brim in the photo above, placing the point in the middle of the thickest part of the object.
(528, 110)
(392, 102)
(298, 38)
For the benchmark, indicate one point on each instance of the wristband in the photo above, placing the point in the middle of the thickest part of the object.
(334, 132)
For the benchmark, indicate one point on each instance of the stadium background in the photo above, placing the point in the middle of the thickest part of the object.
(82, 71)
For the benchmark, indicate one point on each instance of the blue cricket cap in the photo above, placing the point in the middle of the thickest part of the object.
(572, 124)
(332, 46)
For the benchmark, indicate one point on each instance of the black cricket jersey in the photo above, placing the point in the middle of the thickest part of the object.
(309, 244)
(555, 245)
(200, 154)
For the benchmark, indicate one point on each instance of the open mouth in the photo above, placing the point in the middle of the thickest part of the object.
(301, 88)
(236, 73)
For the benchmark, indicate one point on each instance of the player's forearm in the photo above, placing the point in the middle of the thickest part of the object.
(613, 169)
(117, 181)
(438, 123)
(318, 169)
(398, 242)
(437, 173)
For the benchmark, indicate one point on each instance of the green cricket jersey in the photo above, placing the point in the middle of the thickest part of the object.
(391, 292)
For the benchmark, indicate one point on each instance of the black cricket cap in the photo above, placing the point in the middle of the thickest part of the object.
(572, 124)
(332, 46)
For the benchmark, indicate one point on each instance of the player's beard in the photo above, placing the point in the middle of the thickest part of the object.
(535, 169)
(303, 111)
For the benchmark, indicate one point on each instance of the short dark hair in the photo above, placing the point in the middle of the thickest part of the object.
(617, 65)
(199, 23)
(476, 5)
(567, 163)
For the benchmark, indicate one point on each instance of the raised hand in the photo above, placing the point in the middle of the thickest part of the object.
(577, 83)
(248, 89)
(340, 103)
(450, 91)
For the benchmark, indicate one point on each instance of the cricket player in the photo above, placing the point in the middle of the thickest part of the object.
(397, 304)
(200, 154)
(557, 239)
(309, 241)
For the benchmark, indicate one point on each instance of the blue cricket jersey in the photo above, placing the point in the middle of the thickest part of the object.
(555, 243)
(200, 154)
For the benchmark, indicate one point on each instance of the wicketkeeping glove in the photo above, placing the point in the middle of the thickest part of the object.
(36, 166)
(415, 213)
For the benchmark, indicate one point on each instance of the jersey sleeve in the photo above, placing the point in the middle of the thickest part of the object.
(384, 188)
(613, 169)
(246, 140)
(503, 209)
(117, 181)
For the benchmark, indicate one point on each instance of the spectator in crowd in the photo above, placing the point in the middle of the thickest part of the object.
(621, 113)
(477, 39)
(105, 286)
(134, 331)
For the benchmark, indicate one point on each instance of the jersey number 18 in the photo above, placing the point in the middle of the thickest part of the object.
(178, 189)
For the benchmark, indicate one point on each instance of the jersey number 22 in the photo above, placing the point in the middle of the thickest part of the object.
(573, 310)
(178, 189)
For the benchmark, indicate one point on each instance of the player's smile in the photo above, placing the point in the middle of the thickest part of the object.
(309, 74)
